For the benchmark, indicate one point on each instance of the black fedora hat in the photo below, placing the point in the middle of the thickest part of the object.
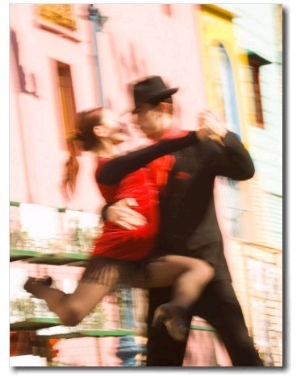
(150, 90)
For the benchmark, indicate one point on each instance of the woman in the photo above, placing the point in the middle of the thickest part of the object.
(120, 255)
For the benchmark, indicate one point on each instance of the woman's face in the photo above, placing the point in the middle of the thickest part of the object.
(115, 131)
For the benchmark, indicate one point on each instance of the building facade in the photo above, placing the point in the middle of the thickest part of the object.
(68, 57)
(243, 74)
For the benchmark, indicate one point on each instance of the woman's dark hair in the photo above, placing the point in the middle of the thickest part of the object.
(83, 132)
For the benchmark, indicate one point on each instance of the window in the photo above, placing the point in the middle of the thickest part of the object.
(66, 96)
(225, 96)
(255, 62)
(228, 90)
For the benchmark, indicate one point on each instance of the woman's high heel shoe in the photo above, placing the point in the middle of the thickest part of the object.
(31, 283)
(173, 317)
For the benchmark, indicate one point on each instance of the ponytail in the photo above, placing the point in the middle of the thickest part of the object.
(84, 125)
(71, 167)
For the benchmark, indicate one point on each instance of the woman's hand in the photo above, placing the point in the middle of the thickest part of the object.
(211, 126)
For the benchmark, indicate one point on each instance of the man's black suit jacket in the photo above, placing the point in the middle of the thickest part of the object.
(188, 212)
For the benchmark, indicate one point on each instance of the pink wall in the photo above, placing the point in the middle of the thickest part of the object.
(137, 40)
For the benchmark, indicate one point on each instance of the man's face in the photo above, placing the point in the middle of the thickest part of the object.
(149, 119)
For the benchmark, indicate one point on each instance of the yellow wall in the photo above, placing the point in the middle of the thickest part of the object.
(215, 27)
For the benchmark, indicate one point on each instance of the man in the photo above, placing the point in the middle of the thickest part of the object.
(189, 223)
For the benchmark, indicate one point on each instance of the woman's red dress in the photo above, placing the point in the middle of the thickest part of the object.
(136, 244)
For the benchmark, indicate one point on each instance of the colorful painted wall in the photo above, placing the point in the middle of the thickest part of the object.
(239, 40)
(136, 40)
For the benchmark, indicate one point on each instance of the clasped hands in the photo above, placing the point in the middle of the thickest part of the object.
(210, 126)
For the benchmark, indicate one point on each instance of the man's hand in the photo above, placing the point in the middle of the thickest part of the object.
(211, 126)
(122, 214)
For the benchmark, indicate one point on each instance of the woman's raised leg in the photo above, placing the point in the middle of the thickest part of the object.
(72, 308)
